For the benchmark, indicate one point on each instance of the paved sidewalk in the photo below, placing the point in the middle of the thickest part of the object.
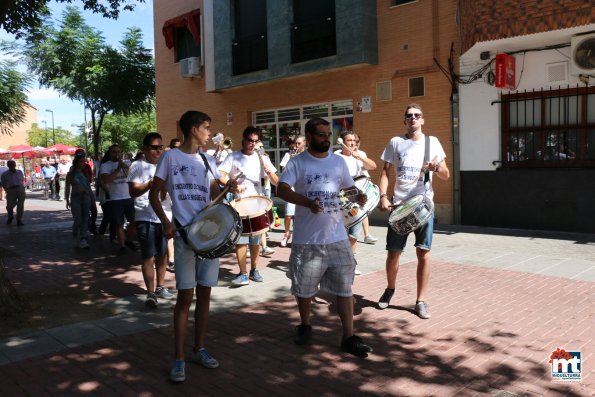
(501, 302)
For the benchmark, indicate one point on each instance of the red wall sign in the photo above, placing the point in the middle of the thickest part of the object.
(505, 71)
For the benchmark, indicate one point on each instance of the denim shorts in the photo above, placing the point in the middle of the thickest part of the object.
(122, 209)
(191, 271)
(150, 237)
(423, 238)
(355, 230)
(250, 240)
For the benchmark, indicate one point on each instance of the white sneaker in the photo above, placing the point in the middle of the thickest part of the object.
(285, 239)
(267, 251)
(357, 272)
(163, 292)
(370, 239)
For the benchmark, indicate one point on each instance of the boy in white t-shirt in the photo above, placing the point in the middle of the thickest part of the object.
(248, 162)
(184, 174)
(320, 254)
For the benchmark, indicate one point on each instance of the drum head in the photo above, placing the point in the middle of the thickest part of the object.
(406, 208)
(252, 206)
(210, 227)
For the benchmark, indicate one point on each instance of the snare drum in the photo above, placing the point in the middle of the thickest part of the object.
(214, 231)
(353, 213)
(256, 213)
(411, 215)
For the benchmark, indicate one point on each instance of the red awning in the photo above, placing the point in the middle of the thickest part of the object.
(190, 20)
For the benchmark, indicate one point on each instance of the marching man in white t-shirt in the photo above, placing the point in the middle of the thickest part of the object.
(250, 183)
(153, 245)
(320, 254)
(188, 181)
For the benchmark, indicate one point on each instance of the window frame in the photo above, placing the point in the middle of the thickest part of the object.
(545, 131)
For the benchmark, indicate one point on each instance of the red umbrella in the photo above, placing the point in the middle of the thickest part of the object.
(26, 151)
(61, 148)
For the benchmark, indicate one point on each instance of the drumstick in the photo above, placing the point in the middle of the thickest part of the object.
(224, 191)
(422, 172)
(340, 141)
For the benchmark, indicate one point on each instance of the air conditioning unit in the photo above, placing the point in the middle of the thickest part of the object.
(190, 67)
(582, 54)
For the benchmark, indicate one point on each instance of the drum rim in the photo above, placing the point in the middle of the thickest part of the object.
(254, 214)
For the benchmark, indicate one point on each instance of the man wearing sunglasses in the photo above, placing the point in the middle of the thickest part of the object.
(321, 255)
(247, 162)
(153, 244)
(406, 154)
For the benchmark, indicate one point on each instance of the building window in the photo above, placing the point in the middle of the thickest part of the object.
(395, 3)
(281, 126)
(313, 33)
(249, 50)
(554, 128)
(185, 46)
(416, 87)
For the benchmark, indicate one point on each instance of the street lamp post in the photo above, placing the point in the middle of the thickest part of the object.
(45, 123)
(53, 130)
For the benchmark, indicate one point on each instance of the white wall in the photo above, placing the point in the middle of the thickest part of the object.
(479, 120)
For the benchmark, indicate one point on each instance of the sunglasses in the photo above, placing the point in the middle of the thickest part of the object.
(252, 140)
(156, 147)
(416, 116)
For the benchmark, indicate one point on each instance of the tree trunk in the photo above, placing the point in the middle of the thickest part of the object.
(10, 301)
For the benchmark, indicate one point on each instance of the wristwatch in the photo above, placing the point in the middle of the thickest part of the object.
(383, 195)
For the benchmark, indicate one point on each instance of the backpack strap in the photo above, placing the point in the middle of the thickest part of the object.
(426, 159)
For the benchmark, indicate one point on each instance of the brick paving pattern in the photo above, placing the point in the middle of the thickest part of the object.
(491, 330)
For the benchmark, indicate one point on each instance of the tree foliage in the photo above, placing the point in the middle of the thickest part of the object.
(74, 60)
(13, 97)
(41, 136)
(128, 131)
(21, 17)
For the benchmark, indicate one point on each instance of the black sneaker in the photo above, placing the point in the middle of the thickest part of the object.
(302, 334)
(354, 345)
(170, 267)
(385, 298)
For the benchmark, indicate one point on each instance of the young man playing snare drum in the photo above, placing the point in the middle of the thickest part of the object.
(254, 168)
(406, 154)
(184, 173)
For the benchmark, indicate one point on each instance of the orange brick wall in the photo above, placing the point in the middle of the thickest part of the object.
(484, 20)
(20, 132)
(410, 24)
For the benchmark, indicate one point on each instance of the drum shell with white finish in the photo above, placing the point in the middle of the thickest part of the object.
(412, 214)
(214, 231)
(354, 213)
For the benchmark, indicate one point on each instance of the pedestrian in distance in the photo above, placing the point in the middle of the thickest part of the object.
(321, 255)
(405, 154)
(189, 177)
(78, 195)
(153, 244)
(13, 182)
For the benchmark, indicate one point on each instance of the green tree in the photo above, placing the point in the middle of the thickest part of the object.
(44, 137)
(20, 17)
(128, 131)
(13, 97)
(75, 61)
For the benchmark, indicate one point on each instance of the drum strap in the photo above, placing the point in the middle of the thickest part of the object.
(182, 231)
(426, 159)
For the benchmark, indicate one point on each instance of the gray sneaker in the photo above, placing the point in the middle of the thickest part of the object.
(178, 372)
(422, 310)
(163, 292)
(204, 358)
(255, 276)
(151, 300)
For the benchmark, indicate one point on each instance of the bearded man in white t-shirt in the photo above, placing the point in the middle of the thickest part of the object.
(321, 255)
(250, 183)
(406, 154)
(184, 173)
